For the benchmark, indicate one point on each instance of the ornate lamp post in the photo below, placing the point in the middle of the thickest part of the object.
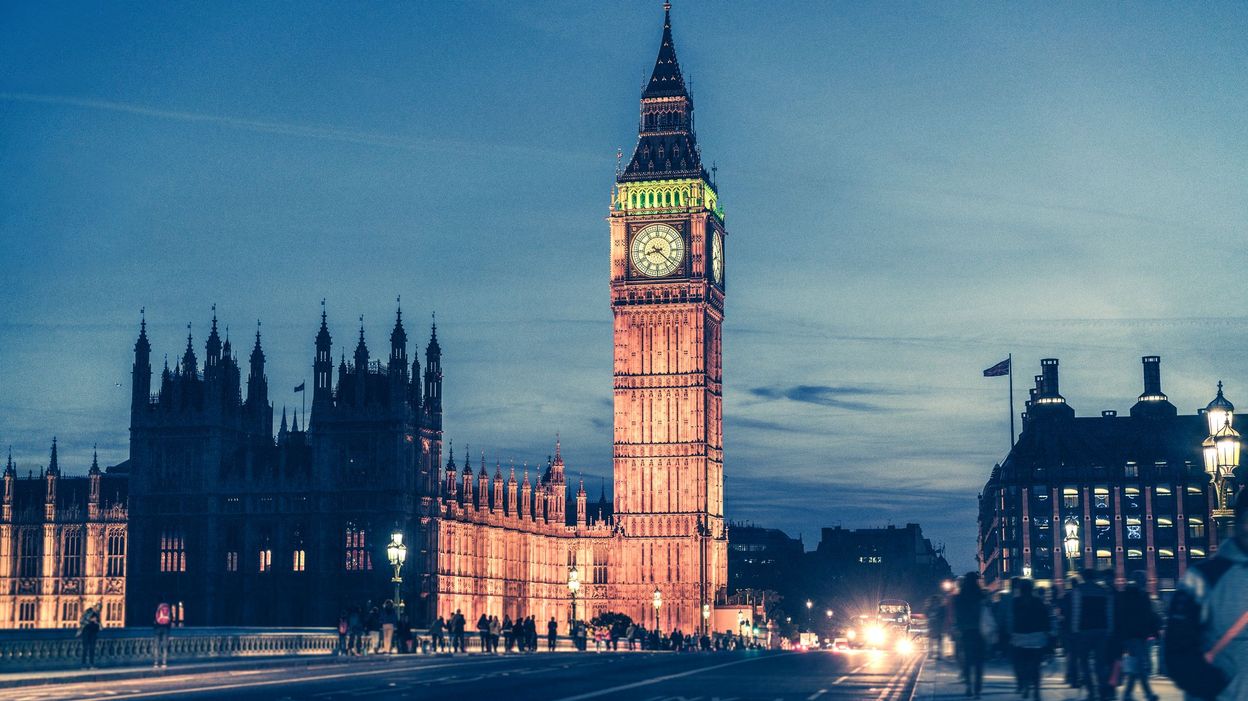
(574, 586)
(1221, 451)
(1071, 543)
(658, 604)
(396, 551)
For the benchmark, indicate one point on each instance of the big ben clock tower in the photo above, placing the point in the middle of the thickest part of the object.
(667, 298)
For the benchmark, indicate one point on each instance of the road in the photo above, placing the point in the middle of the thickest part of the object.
(807, 676)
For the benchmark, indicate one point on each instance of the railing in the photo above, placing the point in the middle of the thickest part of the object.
(24, 650)
(47, 649)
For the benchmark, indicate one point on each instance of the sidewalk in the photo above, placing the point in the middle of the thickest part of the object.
(940, 682)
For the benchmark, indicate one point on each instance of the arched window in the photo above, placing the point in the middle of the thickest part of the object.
(356, 553)
(73, 557)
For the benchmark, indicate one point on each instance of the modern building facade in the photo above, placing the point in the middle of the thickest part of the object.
(855, 568)
(762, 559)
(62, 546)
(234, 525)
(1120, 493)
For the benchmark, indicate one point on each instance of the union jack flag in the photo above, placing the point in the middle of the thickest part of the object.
(1001, 368)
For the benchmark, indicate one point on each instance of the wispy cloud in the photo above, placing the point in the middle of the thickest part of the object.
(834, 397)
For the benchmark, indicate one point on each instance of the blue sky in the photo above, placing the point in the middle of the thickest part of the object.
(912, 191)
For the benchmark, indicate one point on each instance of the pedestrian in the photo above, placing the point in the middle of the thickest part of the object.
(437, 638)
(630, 635)
(975, 626)
(161, 625)
(403, 634)
(935, 610)
(89, 630)
(552, 634)
(343, 628)
(1135, 623)
(508, 632)
(483, 632)
(460, 628)
(355, 631)
(1207, 623)
(1029, 637)
(496, 629)
(372, 626)
(530, 629)
(389, 620)
(1091, 621)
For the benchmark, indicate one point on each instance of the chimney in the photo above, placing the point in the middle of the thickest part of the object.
(1048, 368)
(1152, 375)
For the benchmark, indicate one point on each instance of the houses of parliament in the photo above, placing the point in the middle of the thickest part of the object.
(235, 522)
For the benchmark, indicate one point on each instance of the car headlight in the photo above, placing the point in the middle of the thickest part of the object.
(875, 635)
(852, 634)
(905, 646)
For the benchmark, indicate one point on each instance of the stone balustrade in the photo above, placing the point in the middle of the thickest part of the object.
(58, 649)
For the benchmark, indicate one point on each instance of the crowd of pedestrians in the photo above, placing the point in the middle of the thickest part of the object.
(1108, 634)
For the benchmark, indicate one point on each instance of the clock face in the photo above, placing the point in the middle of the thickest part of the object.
(657, 250)
(717, 258)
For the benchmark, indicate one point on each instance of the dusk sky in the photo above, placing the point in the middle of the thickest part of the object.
(912, 191)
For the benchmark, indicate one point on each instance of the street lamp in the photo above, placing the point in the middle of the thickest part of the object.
(1221, 452)
(1071, 542)
(828, 613)
(574, 585)
(397, 552)
(658, 604)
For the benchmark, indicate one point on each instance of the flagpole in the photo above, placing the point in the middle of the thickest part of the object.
(1010, 357)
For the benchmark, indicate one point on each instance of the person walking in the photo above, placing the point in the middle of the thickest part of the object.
(1207, 623)
(343, 628)
(508, 633)
(389, 620)
(496, 629)
(1135, 622)
(530, 630)
(935, 610)
(483, 632)
(372, 626)
(975, 626)
(1029, 636)
(161, 625)
(403, 635)
(630, 635)
(437, 639)
(89, 630)
(552, 634)
(1091, 620)
(355, 630)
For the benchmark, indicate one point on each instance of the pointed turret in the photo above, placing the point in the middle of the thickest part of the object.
(467, 490)
(141, 375)
(93, 489)
(258, 409)
(95, 461)
(667, 147)
(322, 368)
(582, 516)
(496, 504)
(54, 465)
(512, 496)
(526, 495)
(451, 474)
(213, 347)
(50, 476)
(294, 422)
(558, 487)
(433, 380)
(398, 344)
(190, 366)
(9, 470)
(483, 486)
(361, 351)
(10, 479)
(281, 432)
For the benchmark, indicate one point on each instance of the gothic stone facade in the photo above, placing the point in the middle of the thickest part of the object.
(62, 547)
(242, 528)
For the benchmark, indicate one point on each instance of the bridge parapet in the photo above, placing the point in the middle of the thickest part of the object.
(25, 650)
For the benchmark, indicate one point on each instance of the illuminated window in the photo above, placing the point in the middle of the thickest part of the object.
(1165, 553)
(172, 551)
(1131, 491)
(1070, 498)
(1101, 496)
(1164, 521)
(179, 614)
(266, 559)
(30, 552)
(1131, 470)
(231, 561)
(1196, 527)
(1102, 522)
(1135, 554)
(1196, 552)
(70, 611)
(1133, 520)
(115, 558)
(1104, 559)
(1193, 490)
(72, 556)
(1164, 491)
(356, 549)
(112, 612)
(298, 560)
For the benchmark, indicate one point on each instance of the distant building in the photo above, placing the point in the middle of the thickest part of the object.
(62, 547)
(856, 568)
(1132, 489)
(761, 558)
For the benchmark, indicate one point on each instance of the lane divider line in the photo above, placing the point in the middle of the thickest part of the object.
(666, 677)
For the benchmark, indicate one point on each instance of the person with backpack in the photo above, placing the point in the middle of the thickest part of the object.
(89, 630)
(975, 626)
(1136, 622)
(161, 626)
(1206, 642)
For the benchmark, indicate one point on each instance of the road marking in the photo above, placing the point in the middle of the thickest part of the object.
(666, 677)
(816, 695)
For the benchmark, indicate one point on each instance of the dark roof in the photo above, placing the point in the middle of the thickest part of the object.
(666, 79)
